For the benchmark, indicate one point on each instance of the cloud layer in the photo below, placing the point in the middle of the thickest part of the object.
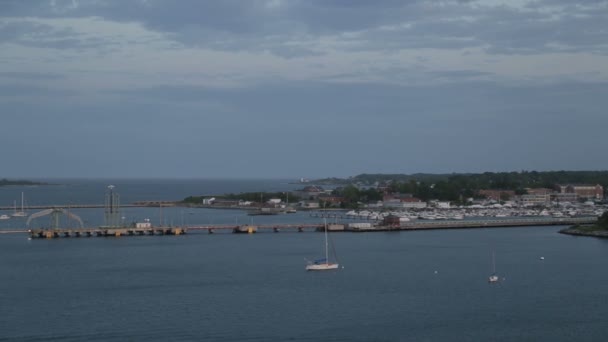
(332, 87)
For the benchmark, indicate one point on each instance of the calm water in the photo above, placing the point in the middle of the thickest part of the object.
(403, 286)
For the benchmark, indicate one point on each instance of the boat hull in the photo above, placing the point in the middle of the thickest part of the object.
(321, 267)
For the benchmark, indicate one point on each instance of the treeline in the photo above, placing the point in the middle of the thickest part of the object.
(486, 180)
(459, 187)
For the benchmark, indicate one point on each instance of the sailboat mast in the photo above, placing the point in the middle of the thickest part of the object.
(326, 244)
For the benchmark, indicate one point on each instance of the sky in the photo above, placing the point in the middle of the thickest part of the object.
(301, 88)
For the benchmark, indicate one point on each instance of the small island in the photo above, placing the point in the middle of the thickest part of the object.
(599, 229)
(8, 182)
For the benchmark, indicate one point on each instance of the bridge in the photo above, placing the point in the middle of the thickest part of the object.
(416, 225)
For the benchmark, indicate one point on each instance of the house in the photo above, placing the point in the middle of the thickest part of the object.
(310, 192)
(333, 200)
(391, 221)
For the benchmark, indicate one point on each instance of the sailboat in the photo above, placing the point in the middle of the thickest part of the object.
(19, 213)
(323, 264)
(493, 278)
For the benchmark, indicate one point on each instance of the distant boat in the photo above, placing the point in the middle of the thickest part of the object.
(4, 217)
(19, 213)
(493, 278)
(322, 264)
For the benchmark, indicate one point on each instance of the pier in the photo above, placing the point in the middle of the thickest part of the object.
(276, 228)
(103, 232)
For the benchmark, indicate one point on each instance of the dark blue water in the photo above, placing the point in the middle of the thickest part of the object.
(395, 286)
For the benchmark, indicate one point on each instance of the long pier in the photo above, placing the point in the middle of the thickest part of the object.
(415, 225)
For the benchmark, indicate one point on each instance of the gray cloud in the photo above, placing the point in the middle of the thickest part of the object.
(359, 87)
(236, 25)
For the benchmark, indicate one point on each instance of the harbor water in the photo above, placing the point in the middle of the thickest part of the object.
(394, 286)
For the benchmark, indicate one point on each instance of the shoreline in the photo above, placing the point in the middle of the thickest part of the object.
(577, 231)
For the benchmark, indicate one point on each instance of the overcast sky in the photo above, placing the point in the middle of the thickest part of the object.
(278, 88)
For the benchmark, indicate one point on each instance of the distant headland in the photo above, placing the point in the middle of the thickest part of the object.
(9, 182)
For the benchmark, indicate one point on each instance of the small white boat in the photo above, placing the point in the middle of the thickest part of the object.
(493, 278)
(4, 217)
(323, 264)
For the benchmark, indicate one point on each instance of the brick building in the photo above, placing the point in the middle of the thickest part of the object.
(585, 191)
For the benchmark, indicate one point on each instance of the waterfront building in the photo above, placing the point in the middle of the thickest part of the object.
(564, 197)
(585, 191)
(536, 199)
(497, 195)
(413, 203)
(539, 191)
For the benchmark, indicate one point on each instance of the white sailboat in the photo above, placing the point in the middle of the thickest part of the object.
(322, 264)
(493, 278)
(19, 213)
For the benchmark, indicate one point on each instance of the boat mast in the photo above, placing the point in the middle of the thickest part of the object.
(326, 245)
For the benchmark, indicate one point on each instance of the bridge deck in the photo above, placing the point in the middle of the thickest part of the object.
(414, 225)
